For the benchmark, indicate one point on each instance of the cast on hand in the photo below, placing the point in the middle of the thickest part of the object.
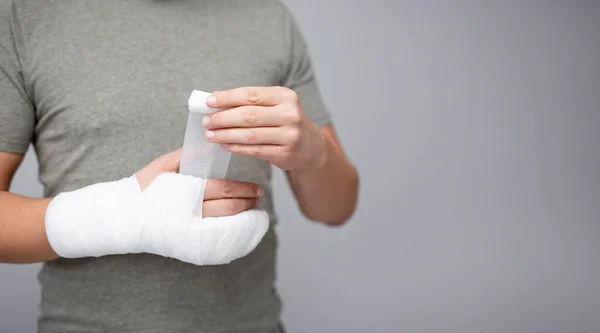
(116, 217)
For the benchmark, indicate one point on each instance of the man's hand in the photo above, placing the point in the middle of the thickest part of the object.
(114, 218)
(221, 197)
(268, 123)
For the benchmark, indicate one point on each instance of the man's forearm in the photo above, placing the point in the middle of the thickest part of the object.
(327, 194)
(22, 229)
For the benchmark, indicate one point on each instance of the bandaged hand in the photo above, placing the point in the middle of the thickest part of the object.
(157, 211)
(221, 197)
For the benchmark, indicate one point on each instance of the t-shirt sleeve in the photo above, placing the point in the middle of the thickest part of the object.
(17, 115)
(300, 75)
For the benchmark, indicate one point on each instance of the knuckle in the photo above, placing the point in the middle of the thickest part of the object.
(256, 150)
(295, 117)
(227, 190)
(252, 96)
(250, 116)
(251, 135)
(294, 135)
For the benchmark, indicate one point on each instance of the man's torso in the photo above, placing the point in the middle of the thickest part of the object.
(110, 81)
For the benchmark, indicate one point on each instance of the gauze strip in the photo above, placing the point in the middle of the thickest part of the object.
(201, 158)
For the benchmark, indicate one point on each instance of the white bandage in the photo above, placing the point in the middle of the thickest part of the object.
(166, 218)
(201, 158)
(117, 218)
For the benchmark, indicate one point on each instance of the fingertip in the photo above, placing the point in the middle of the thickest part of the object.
(177, 153)
(211, 101)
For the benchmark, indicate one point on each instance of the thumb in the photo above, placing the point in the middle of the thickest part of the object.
(169, 162)
(165, 163)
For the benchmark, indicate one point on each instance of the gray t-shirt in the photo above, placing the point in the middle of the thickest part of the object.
(100, 89)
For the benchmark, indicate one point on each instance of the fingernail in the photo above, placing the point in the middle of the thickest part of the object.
(211, 100)
(206, 121)
(260, 191)
(225, 145)
(210, 134)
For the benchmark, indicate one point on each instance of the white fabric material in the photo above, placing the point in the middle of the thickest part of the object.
(166, 218)
(197, 103)
(201, 158)
(117, 218)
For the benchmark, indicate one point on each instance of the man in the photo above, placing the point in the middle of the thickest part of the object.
(99, 88)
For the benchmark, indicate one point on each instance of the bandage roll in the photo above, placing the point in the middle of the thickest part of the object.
(201, 158)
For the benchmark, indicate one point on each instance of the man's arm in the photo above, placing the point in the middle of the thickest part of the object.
(327, 193)
(22, 234)
(270, 123)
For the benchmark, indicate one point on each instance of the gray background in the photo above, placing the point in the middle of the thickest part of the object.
(475, 127)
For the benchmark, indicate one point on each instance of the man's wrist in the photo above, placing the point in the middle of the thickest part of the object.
(326, 154)
(322, 151)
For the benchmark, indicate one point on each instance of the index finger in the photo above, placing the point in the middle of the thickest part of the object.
(228, 189)
(265, 96)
